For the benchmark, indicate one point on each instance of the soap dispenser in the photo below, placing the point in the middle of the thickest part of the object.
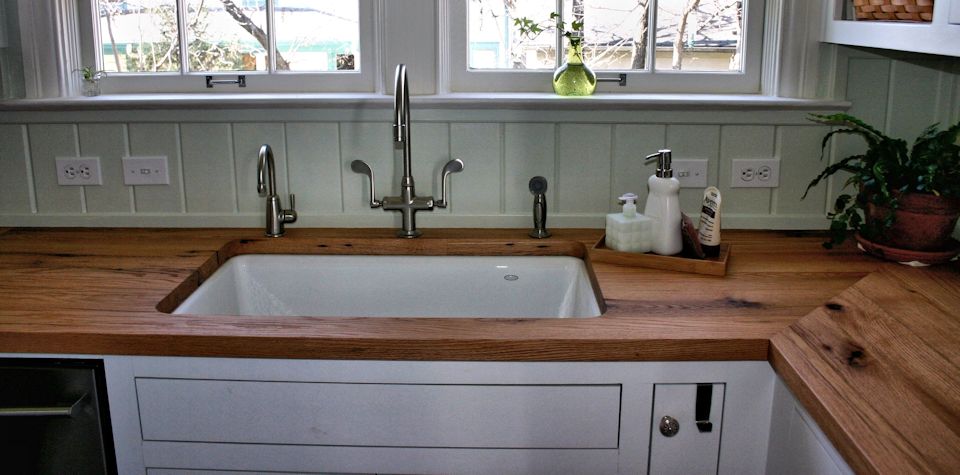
(663, 206)
(629, 231)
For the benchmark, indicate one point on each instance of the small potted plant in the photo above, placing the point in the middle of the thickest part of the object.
(90, 86)
(907, 199)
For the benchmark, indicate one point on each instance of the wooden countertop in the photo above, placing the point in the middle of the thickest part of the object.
(95, 291)
(871, 349)
(878, 367)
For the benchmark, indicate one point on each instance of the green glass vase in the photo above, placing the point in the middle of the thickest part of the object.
(574, 78)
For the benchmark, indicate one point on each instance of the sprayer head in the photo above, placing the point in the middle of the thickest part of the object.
(538, 185)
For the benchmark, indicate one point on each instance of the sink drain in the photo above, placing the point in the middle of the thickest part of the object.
(511, 277)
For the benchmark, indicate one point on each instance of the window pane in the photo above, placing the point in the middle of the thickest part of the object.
(494, 42)
(317, 35)
(139, 36)
(227, 35)
(615, 32)
(709, 39)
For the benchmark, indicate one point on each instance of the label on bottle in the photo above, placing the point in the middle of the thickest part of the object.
(710, 219)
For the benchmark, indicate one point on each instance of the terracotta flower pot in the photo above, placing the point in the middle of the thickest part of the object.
(923, 222)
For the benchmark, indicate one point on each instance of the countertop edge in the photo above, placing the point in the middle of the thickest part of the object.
(841, 362)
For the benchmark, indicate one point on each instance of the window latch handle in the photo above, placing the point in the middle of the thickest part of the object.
(621, 79)
(240, 81)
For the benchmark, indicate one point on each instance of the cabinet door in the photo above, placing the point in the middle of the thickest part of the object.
(954, 17)
(682, 446)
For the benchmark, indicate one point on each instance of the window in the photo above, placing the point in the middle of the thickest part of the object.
(279, 45)
(353, 45)
(663, 45)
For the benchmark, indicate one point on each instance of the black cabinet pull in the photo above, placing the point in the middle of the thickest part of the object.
(704, 399)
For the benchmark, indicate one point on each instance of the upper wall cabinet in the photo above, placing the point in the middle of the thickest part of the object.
(939, 36)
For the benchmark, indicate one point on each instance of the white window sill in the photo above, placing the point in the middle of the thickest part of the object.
(542, 101)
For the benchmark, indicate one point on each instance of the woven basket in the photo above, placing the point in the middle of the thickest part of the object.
(887, 10)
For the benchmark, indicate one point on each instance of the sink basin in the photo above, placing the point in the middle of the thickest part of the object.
(397, 286)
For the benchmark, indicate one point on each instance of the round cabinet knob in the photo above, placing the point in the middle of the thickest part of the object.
(669, 426)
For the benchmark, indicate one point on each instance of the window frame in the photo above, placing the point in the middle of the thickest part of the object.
(185, 81)
(460, 79)
(795, 64)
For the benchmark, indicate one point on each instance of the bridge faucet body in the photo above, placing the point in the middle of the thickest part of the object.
(267, 187)
(408, 203)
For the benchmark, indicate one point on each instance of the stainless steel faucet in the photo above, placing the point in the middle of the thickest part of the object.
(408, 203)
(267, 187)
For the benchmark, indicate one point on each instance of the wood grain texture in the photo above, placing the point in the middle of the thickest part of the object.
(46, 302)
(871, 349)
(709, 266)
(878, 367)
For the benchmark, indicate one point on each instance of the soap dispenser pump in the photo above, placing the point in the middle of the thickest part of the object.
(663, 206)
(629, 231)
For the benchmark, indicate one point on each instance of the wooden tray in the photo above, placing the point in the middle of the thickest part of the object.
(709, 266)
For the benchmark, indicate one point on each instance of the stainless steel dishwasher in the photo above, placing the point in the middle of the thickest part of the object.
(54, 417)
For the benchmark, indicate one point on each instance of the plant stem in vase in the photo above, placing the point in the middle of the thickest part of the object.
(574, 78)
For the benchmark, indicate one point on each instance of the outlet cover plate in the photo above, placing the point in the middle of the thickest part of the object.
(755, 173)
(78, 171)
(145, 171)
(690, 172)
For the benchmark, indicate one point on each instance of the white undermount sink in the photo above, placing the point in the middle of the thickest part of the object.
(397, 286)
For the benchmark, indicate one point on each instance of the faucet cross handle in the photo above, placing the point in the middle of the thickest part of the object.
(361, 167)
(453, 166)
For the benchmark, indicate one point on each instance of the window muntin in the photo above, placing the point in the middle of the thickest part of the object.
(720, 51)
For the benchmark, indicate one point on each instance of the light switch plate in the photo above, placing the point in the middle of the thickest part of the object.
(690, 172)
(78, 171)
(145, 171)
(755, 173)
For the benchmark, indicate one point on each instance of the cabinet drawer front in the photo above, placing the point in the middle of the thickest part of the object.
(384, 415)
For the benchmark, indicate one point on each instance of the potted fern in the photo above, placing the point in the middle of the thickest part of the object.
(907, 198)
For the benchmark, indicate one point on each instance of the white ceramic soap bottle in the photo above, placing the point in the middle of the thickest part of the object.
(663, 206)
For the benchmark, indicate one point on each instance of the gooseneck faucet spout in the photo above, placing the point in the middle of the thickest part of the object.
(401, 118)
(267, 187)
(408, 203)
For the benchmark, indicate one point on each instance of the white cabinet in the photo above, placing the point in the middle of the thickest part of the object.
(179, 416)
(207, 415)
(382, 415)
(687, 423)
(797, 445)
(941, 36)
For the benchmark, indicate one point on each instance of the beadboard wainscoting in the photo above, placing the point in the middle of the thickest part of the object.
(589, 157)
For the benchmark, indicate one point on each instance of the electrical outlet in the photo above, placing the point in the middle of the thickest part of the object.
(145, 171)
(78, 171)
(691, 173)
(755, 173)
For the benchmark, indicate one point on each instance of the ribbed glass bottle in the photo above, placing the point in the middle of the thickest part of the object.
(574, 78)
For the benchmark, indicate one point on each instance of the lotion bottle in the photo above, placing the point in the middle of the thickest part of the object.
(663, 206)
